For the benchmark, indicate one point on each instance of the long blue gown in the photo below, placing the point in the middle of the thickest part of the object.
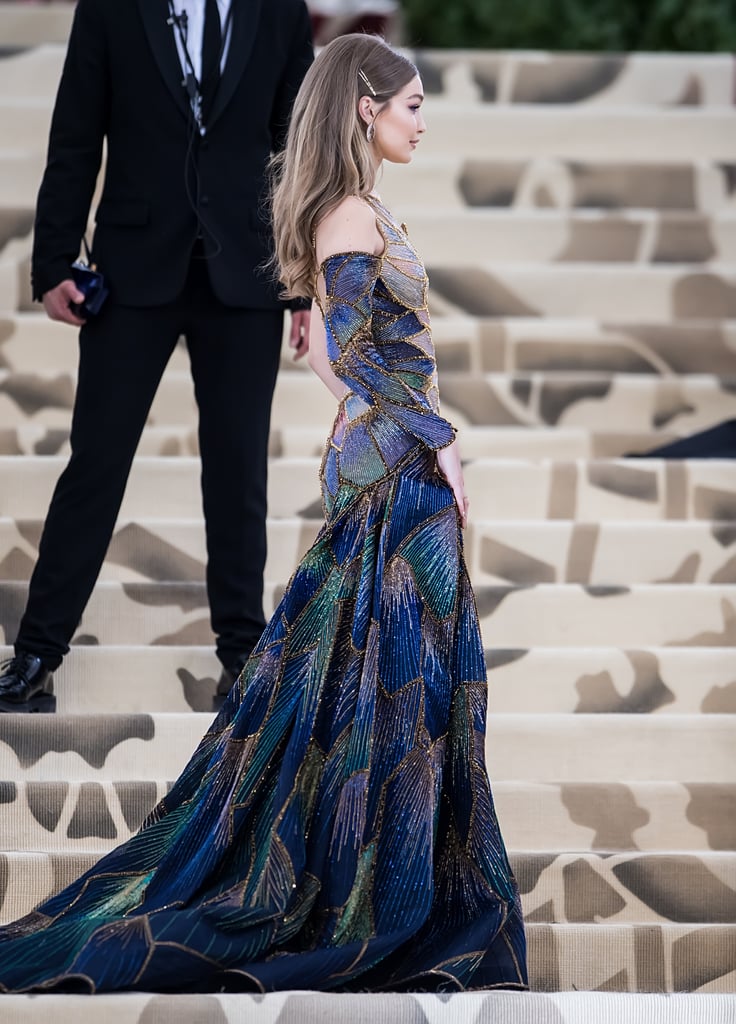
(334, 829)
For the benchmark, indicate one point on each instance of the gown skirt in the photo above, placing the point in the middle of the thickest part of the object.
(334, 829)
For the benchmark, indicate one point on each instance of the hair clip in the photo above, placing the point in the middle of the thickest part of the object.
(363, 75)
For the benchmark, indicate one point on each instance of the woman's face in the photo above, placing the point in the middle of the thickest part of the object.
(399, 125)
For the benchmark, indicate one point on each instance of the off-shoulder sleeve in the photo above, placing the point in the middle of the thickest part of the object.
(376, 372)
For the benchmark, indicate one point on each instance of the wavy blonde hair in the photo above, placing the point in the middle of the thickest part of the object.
(327, 156)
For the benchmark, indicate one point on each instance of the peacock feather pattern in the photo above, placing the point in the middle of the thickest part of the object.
(334, 829)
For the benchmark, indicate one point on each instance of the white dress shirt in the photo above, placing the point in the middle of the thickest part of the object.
(195, 30)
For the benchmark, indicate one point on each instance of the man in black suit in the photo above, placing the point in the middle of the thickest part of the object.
(191, 98)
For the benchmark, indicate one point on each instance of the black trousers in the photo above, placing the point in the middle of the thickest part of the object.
(234, 356)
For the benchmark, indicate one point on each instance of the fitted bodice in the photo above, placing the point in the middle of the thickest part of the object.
(379, 344)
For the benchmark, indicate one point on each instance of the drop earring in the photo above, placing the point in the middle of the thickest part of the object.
(370, 132)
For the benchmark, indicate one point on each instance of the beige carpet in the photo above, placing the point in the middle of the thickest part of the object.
(578, 219)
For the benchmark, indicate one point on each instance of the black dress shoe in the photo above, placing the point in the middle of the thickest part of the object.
(26, 686)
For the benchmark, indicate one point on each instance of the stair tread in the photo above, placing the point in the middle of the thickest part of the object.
(553, 193)
(615, 552)
(524, 442)
(579, 888)
(520, 76)
(582, 489)
(547, 818)
(571, 747)
(572, 1007)
(552, 680)
(606, 179)
(553, 615)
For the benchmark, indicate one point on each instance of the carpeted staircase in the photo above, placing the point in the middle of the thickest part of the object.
(578, 219)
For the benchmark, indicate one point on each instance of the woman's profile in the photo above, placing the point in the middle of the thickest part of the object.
(334, 829)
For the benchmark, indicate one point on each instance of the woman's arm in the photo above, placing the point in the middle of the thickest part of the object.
(351, 226)
(317, 356)
(350, 264)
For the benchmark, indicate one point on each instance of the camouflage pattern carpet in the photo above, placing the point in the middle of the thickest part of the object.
(578, 217)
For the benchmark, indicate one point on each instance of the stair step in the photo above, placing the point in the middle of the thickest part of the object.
(32, 72)
(15, 222)
(22, 170)
(568, 888)
(565, 748)
(87, 818)
(607, 815)
(598, 553)
(550, 680)
(10, 283)
(448, 237)
(141, 679)
(627, 888)
(34, 346)
(483, 76)
(47, 398)
(581, 490)
(599, 181)
(453, 237)
(53, 831)
(23, 25)
(633, 958)
(517, 132)
(600, 680)
(521, 132)
(166, 550)
(649, 294)
(496, 551)
(546, 615)
(591, 400)
(596, 747)
(580, 132)
(299, 1007)
(531, 443)
(565, 615)
(667, 80)
(553, 345)
(597, 401)
(602, 80)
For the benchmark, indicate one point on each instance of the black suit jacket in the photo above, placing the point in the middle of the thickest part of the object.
(122, 84)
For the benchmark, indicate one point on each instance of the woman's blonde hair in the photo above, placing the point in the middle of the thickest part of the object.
(327, 155)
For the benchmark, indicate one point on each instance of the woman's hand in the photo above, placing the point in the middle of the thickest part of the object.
(448, 463)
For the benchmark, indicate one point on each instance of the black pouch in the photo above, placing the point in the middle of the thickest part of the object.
(91, 283)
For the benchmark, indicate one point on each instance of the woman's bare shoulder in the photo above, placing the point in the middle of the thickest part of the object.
(348, 227)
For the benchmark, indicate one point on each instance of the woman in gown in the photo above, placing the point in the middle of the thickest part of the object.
(334, 829)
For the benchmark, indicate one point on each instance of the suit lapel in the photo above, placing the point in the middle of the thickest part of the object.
(242, 37)
(162, 43)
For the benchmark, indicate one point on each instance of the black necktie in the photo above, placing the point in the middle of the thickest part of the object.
(211, 53)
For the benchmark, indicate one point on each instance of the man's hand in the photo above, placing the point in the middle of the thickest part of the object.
(299, 334)
(56, 302)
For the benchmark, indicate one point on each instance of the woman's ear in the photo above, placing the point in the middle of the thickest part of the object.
(365, 109)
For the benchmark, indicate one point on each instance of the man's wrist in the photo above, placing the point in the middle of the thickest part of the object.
(44, 279)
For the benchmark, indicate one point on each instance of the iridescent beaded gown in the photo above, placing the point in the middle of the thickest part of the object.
(334, 829)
